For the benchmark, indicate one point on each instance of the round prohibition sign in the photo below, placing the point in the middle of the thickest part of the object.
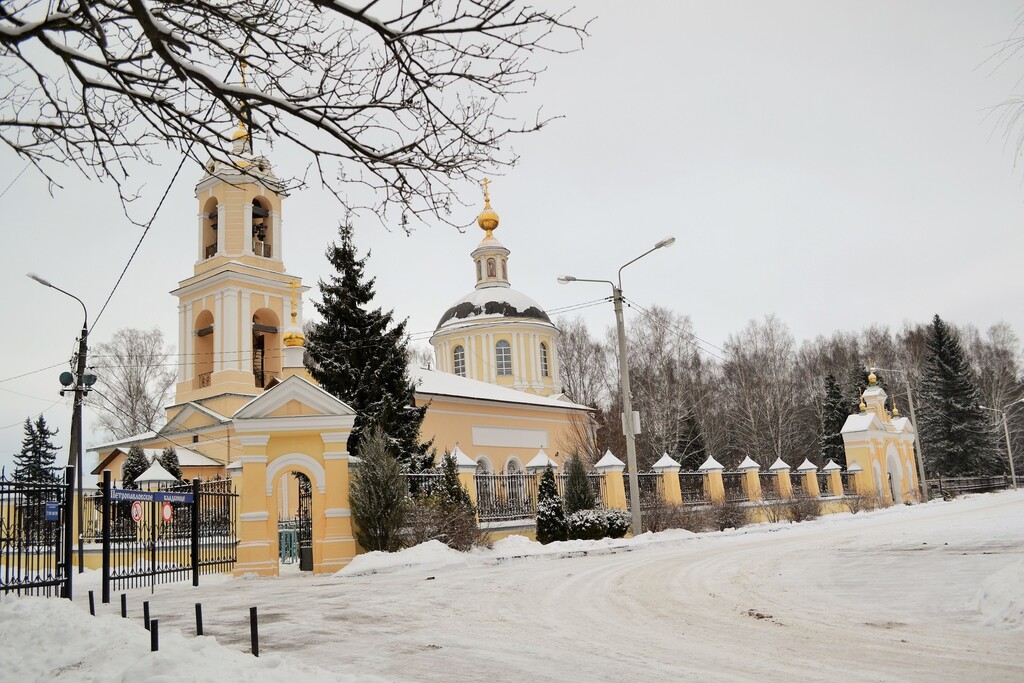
(166, 511)
(137, 511)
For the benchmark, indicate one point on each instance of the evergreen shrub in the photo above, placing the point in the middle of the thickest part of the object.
(551, 525)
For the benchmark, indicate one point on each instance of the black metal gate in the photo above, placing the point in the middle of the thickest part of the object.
(173, 534)
(35, 536)
(305, 528)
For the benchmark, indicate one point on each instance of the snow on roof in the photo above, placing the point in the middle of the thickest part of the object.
(860, 422)
(461, 459)
(831, 466)
(128, 440)
(855, 467)
(186, 457)
(437, 383)
(497, 301)
(748, 464)
(807, 466)
(779, 464)
(155, 474)
(540, 461)
(902, 424)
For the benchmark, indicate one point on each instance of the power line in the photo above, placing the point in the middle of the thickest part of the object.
(31, 372)
(41, 413)
(13, 181)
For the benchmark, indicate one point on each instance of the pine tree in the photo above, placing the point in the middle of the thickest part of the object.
(358, 353)
(169, 461)
(834, 412)
(551, 524)
(453, 494)
(578, 493)
(692, 448)
(956, 437)
(34, 463)
(134, 465)
(377, 495)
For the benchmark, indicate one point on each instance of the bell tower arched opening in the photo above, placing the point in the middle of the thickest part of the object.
(203, 349)
(266, 346)
(211, 225)
(262, 228)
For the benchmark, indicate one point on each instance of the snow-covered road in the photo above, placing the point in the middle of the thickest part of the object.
(931, 592)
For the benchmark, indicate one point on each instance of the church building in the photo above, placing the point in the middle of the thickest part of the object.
(246, 407)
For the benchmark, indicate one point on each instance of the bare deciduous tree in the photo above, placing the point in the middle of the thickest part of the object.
(135, 378)
(582, 365)
(405, 97)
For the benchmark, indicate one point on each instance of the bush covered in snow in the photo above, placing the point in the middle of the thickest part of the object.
(550, 513)
(593, 525)
(722, 516)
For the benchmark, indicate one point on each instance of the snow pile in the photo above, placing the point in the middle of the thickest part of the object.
(1000, 597)
(109, 648)
(434, 555)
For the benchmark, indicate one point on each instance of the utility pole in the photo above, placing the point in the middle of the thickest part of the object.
(627, 416)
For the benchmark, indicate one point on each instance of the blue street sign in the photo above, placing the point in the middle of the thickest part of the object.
(52, 511)
(151, 496)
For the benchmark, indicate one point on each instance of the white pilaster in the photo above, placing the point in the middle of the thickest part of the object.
(221, 229)
(245, 330)
(190, 341)
(219, 324)
(199, 238)
(229, 352)
(182, 357)
(246, 230)
(275, 230)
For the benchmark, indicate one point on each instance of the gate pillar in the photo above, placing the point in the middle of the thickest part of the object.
(257, 552)
(336, 546)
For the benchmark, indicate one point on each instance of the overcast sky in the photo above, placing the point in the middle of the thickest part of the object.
(837, 164)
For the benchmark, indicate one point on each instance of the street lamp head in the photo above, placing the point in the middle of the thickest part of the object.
(667, 242)
(565, 279)
(39, 279)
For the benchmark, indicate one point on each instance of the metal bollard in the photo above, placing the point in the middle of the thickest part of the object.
(145, 614)
(199, 618)
(154, 635)
(254, 632)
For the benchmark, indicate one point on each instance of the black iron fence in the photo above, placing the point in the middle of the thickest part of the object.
(847, 479)
(692, 486)
(769, 485)
(733, 484)
(825, 485)
(422, 484)
(596, 480)
(35, 536)
(798, 485)
(652, 489)
(505, 497)
(946, 486)
(171, 534)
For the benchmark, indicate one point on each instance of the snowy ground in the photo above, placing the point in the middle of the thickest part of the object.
(932, 592)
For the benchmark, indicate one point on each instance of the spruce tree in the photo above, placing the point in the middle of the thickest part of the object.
(34, 463)
(358, 353)
(834, 412)
(169, 461)
(692, 448)
(551, 524)
(453, 494)
(578, 493)
(134, 465)
(377, 495)
(956, 437)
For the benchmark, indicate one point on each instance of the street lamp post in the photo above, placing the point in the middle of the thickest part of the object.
(82, 382)
(1006, 431)
(628, 426)
(917, 437)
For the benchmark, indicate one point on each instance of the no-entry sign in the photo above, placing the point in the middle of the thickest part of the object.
(137, 511)
(166, 511)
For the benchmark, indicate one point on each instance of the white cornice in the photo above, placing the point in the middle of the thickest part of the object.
(229, 272)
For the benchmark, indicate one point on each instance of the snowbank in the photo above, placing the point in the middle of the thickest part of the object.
(47, 639)
(1000, 597)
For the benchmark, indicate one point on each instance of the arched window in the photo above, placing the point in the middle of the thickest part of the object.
(544, 359)
(261, 233)
(483, 465)
(459, 361)
(491, 268)
(504, 270)
(479, 271)
(503, 357)
(210, 218)
(513, 466)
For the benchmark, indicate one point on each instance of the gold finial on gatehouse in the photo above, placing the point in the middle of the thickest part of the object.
(862, 406)
(895, 410)
(488, 219)
(872, 380)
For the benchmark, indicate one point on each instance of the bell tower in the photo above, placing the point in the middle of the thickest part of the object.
(233, 310)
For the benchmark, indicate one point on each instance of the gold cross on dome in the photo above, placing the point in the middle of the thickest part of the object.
(487, 194)
(293, 285)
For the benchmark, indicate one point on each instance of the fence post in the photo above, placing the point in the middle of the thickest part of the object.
(835, 480)
(858, 483)
(809, 471)
(781, 470)
(713, 483)
(106, 511)
(614, 485)
(751, 479)
(669, 470)
(69, 523)
(195, 531)
(467, 468)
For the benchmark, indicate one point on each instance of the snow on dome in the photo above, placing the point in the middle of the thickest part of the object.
(492, 302)
(779, 464)
(711, 464)
(748, 464)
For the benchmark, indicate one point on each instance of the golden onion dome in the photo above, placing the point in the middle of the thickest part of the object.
(240, 132)
(895, 410)
(294, 337)
(872, 379)
(863, 406)
(488, 218)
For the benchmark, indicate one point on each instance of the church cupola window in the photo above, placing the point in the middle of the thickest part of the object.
(544, 360)
(504, 270)
(210, 218)
(491, 269)
(503, 357)
(261, 230)
(479, 271)
(459, 361)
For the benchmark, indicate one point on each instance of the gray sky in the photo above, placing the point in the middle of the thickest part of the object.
(836, 164)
